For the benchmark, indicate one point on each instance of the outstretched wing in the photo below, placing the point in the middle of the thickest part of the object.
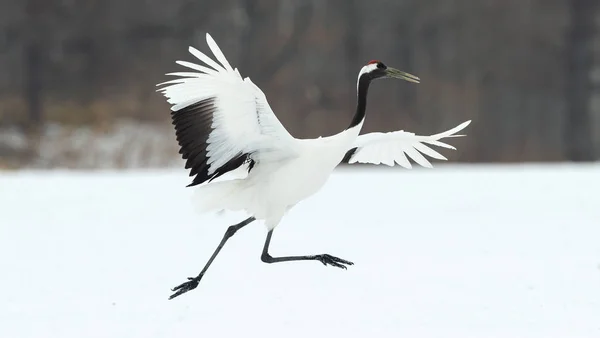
(221, 120)
(394, 147)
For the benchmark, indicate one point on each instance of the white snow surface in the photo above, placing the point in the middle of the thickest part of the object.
(457, 251)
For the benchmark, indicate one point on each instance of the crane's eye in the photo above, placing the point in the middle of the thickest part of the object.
(380, 65)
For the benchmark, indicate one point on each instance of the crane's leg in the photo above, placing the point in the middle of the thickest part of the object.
(324, 258)
(192, 283)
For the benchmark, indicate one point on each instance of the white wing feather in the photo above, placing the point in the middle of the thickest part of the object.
(243, 121)
(394, 147)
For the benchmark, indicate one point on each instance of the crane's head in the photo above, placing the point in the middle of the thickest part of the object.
(375, 69)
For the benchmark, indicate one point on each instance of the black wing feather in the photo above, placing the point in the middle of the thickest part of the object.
(193, 125)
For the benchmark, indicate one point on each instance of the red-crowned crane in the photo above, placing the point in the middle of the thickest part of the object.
(223, 122)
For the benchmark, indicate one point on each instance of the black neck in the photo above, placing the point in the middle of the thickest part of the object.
(361, 105)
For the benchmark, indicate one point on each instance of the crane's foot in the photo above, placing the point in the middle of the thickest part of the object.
(333, 261)
(182, 288)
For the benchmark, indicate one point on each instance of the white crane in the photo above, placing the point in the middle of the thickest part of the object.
(223, 122)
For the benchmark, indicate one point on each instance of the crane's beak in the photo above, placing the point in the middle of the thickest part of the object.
(398, 74)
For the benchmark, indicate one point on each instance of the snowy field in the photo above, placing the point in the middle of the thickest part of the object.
(458, 251)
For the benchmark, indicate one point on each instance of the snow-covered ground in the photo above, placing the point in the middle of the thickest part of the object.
(458, 251)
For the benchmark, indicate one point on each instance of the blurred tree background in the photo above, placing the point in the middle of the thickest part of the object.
(77, 82)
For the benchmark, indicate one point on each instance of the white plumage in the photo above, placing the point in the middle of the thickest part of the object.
(224, 121)
(393, 147)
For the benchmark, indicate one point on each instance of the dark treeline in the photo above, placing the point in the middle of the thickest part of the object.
(526, 72)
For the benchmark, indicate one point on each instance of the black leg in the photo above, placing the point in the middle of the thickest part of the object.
(192, 283)
(324, 258)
